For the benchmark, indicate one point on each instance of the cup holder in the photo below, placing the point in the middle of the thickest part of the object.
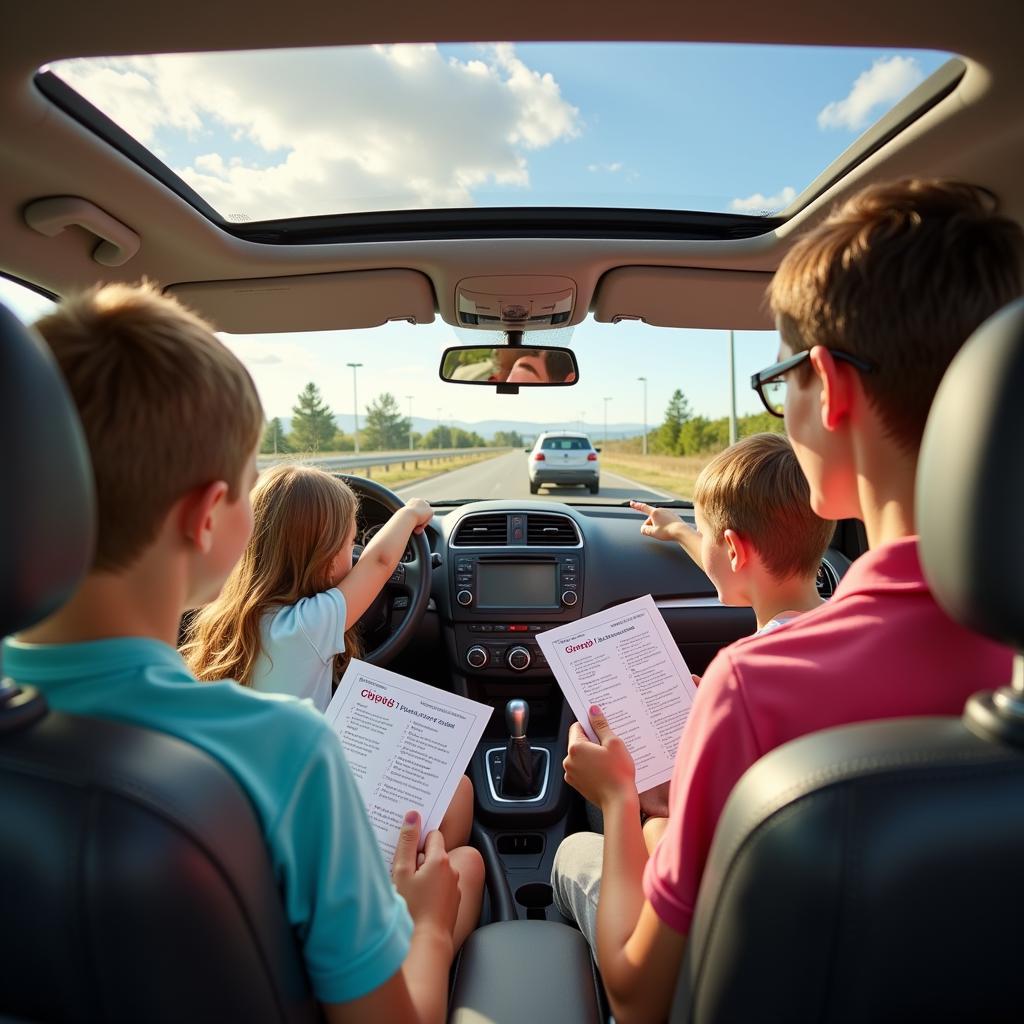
(536, 897)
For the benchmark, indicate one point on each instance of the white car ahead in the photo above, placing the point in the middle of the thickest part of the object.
(562, 458)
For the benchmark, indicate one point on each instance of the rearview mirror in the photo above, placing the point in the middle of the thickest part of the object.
(536, 366)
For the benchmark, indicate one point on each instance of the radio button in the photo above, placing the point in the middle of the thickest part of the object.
(464, 597)
(569, 598)
(477, 657)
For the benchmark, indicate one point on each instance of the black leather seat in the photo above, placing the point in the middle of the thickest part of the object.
(871, 872)
(134, 880)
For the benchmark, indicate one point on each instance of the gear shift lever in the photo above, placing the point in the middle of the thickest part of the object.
(517, 718)
(521, 777)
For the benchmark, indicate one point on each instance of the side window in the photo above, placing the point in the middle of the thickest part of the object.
(27, 305)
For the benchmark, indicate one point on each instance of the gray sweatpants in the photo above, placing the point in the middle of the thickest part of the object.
(576, 881)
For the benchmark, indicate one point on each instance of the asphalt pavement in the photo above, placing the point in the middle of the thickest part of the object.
(506, 477)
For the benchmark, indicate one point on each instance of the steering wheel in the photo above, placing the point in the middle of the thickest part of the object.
(398, 610)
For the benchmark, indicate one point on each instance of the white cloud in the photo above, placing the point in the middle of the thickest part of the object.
(760, 204)
(612, 168)
(884, 84)
(338, 130)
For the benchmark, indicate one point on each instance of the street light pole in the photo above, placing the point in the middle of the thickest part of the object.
(644, 380)
(732, 387)
(411, 445)
(607, 399)
(355, 403)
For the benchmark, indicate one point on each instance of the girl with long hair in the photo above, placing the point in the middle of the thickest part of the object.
(285, 619)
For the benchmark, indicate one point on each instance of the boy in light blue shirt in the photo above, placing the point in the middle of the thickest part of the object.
(173, 421)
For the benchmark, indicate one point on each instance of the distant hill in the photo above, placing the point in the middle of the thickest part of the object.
(488, 428)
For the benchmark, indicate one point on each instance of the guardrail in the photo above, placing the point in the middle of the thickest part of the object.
(383, 459)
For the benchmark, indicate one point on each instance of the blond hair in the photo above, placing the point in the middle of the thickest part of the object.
(900, 274)
(165, 406)
(302, 517)
(757, 488)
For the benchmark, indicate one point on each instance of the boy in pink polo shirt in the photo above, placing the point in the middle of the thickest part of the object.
(871, 306)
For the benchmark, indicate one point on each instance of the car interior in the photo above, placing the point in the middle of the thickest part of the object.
(859, 874)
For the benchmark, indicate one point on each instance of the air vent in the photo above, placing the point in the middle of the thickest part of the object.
(826, 581)
(482, 531)
(551, 531)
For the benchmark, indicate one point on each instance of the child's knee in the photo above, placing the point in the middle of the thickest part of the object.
(464, 794)
(470, 865)
(654, 828)
(458, 820)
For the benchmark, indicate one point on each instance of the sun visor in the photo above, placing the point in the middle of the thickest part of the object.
(311, 302)
(684, 297)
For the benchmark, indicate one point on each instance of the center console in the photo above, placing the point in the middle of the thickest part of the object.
(512, 575)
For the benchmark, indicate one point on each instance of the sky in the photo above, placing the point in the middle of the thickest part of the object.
(674, 126)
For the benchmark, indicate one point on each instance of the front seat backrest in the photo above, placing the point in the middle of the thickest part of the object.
(47, 515)
(134, 880)
(871, 872)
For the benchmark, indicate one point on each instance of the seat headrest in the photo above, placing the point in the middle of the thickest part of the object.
(48, 508)
(970, 482)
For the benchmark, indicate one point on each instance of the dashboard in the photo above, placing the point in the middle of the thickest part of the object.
(505, 570)
(509, 570)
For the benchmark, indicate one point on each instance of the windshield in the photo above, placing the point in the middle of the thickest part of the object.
(448, 441)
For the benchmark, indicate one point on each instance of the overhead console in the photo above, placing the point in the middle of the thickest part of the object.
(515, 302)
(513, 575)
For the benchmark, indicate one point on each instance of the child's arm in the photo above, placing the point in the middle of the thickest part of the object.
(664, 524)
(639, 955)
(379, 558)
(419, 991)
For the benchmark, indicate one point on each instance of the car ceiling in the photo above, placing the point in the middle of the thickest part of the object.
(975, 133)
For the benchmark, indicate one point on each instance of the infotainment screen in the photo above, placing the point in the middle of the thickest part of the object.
(517, 586)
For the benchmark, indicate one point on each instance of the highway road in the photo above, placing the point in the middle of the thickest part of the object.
(506, 477)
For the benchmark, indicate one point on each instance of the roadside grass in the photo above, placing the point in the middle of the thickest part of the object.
(674, 474)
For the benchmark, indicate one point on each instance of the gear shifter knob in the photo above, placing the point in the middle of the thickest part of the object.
(517, 718)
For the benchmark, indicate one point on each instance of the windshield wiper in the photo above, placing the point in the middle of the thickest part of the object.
(452, 501)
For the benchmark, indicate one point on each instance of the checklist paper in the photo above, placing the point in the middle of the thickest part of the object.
(625, 661)
(407, 744)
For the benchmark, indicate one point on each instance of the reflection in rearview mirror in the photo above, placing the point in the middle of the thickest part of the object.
(538, 366)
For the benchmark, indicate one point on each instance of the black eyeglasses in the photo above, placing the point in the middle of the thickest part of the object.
(770, 384)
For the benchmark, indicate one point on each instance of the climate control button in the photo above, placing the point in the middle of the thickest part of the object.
(519, 658)
(477, 656)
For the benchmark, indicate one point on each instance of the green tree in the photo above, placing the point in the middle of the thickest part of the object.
(466, 439)
(438, 437)
(507, 439)
(274, 442)
(760, 423)
(696, 435)
(385, 427)
(677, 413)
(313, 426)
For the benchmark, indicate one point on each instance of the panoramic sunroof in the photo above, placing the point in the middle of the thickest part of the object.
(264, 135)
